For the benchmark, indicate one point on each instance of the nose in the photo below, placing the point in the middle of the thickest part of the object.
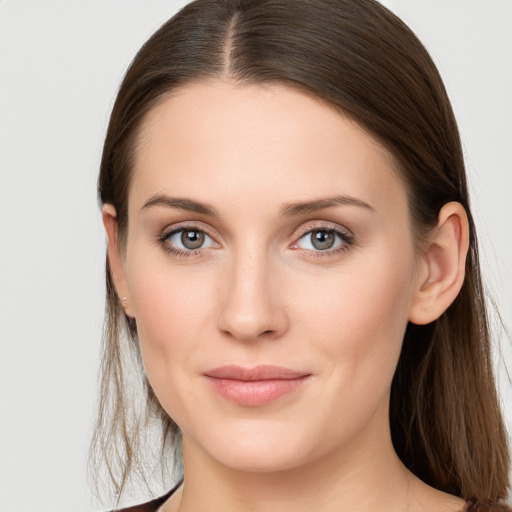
(252, 305)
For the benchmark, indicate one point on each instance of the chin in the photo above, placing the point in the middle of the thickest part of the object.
(264, 447)
(256, 460)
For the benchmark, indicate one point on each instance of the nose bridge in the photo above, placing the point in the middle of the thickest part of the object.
(251, 306)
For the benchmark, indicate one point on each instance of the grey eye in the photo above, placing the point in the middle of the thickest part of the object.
(322, 240)
(192, 239)
(189, 239)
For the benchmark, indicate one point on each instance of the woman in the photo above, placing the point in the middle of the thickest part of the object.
(292, 256)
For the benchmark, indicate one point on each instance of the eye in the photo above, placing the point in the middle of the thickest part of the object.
(188, 239)
(325, 239)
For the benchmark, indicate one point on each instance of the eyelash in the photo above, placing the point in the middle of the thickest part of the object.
(346, 237)
(179, 253)
(347, 240)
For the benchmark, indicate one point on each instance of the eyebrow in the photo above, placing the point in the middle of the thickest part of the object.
(291, 209)
(181, 203)
(287, 210)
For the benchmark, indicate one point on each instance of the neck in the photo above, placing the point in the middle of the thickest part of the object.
(362, 477)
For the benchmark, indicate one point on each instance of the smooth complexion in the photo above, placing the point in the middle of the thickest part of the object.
(266, 229)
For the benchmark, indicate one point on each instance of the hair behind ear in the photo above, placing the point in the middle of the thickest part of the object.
(445, 415)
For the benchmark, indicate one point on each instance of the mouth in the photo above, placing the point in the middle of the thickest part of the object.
(254, 387)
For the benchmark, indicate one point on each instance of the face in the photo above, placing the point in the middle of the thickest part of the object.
(267, 230)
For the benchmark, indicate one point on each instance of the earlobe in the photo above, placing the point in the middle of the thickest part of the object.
(443, 265)
(115, 258)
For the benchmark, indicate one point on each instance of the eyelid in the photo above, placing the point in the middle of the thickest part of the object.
(190, 225)
(323, 225)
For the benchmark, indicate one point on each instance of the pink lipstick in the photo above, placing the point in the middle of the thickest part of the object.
(254, 387)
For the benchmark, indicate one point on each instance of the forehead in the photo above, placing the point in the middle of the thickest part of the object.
(219, 139)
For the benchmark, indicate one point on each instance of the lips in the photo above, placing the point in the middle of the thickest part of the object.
(254, 387)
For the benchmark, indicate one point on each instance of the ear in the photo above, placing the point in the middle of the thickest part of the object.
(115, 258)
(442, 266)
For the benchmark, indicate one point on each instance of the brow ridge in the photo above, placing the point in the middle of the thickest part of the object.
(287, 210)
(180, 203)
(304, 207)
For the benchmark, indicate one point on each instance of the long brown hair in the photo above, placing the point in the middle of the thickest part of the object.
(445, 417)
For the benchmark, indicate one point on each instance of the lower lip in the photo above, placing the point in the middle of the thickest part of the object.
(255, 393)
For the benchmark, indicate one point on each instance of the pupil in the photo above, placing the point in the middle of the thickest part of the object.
(192, 239)
(322, 240)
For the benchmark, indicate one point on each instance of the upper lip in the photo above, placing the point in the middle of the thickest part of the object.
(264, 372)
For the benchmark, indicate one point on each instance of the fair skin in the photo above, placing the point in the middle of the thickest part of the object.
(252, 286)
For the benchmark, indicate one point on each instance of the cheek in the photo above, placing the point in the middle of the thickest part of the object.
(369, 292)
(171, 308)
(359, 322)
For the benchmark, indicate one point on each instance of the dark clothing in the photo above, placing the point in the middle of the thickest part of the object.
(151, 506)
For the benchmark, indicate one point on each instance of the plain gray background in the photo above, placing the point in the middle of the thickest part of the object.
(60, 65)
